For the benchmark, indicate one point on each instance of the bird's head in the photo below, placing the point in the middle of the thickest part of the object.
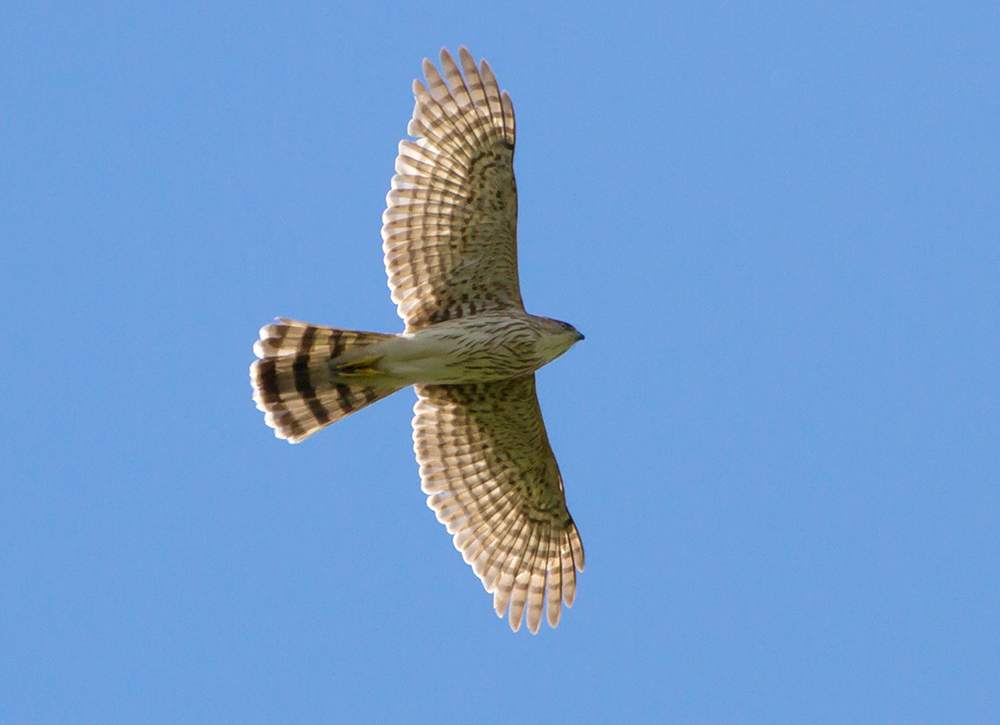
(557, 337)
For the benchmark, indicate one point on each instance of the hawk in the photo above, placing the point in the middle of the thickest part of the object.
(469, 349)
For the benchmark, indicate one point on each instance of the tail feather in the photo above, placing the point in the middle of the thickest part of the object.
(296, 382)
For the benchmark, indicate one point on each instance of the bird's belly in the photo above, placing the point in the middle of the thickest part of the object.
(441, 355)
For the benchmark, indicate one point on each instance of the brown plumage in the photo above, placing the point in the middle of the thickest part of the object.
(450, 243)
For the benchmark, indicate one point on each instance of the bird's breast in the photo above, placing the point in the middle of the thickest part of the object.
(471, 349)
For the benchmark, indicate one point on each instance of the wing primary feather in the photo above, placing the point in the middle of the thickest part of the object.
(510, 128)
(505, 579)
(492, 90)
(535, 594)
(554, 583)
(459, 91)
(524, 564)
(568, 571)
(439, 89)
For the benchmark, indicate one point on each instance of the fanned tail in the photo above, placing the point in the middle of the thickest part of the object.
(299, 384)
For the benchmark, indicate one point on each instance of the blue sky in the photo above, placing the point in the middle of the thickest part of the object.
(777, 225)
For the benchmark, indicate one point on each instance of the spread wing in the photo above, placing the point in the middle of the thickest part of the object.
(450, 227)
(492, 479)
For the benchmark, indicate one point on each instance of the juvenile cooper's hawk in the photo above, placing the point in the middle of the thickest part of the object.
(469, 349)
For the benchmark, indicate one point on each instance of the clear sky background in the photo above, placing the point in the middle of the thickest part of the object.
(777, 225)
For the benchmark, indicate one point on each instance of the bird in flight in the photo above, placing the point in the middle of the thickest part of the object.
(469, 349)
